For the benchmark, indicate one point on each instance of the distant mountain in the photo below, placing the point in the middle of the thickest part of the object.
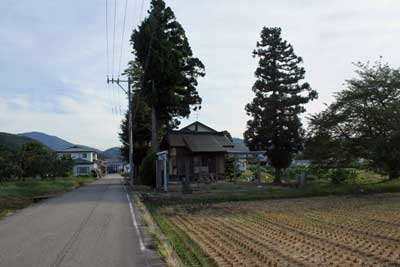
(56, 143)
(112, 153)
(12, 141)
(51, 141)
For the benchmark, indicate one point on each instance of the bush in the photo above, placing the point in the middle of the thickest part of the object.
(230, 168)
(32, 160)
(92, 174)
(147, 172)
(318, 172)
(9, 165)
(339, 176)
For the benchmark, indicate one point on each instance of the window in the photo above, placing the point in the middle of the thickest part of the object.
(84, 155)
(83, 169)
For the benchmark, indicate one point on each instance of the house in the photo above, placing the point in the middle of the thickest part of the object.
(115, 166)
(85, 160)
(300, 163)
(198, 152)
(240, 152)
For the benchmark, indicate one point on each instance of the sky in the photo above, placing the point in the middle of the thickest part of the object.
(53, 57)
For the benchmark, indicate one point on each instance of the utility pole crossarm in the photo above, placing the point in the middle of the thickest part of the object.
(129, 93)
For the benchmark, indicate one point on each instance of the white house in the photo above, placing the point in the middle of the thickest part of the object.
(84, 159)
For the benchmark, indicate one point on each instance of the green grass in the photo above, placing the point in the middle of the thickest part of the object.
(19, 194)
(242, 192)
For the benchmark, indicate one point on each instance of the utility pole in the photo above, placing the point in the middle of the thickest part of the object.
(130, 123)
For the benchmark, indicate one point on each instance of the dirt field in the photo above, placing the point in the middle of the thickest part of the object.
(326, 231)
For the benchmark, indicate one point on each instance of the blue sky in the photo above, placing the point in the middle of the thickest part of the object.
(53, 57)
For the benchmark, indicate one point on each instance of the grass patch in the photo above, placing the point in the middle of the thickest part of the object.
(364, 183)
(19, 194)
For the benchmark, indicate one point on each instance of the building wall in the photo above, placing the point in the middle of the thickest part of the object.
(198, 163)
(77, 169)
(89, 156)
(199, 128)
(220, 163)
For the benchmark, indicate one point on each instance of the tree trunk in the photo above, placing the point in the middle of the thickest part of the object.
(277, 179)
(154, 130)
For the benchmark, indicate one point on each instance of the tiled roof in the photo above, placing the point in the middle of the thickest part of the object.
(73, 149)
(239, 147)
(200, 142)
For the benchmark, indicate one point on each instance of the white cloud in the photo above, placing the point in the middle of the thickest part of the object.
(58, 50)
(85, 120)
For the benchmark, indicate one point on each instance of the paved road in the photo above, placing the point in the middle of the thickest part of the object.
(91, 226)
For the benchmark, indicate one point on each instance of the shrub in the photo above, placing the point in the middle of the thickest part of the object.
(319, 172)
(341, 175)
(9, 165)
(230, 168)
(147, 172)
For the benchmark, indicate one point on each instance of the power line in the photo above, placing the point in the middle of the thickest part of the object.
(120, 55)
(135, 2)
(113, 58)
(141, 12)
(146, 64)
(132, 115)
(113, 51)
(110, 95)
(122, 39)
(107, 51)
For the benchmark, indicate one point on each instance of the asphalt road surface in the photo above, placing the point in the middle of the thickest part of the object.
(91, 226)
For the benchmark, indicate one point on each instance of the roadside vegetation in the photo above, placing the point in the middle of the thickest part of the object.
(19, 194)
(32, 160)
(30, 171)
(363, 183)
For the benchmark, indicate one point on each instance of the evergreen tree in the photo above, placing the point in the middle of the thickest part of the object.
(141, 132)
(170, 72)
(279, 99)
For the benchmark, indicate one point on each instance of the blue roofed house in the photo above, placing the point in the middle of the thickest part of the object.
(85, 159)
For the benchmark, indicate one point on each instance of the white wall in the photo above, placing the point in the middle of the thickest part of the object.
(89, 156)
(91, 167)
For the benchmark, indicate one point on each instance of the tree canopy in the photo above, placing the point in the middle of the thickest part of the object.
(31, 160)
(170, 70)
(363, 122)
(279, 99)
(141, 132)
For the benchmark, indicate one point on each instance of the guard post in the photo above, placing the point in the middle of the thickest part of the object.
(162, 157)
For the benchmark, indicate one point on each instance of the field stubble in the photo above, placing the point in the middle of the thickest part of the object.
(326, 231)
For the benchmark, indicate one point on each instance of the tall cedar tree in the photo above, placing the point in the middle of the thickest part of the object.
(363, 122)
(279, 99)
(141, 133)
(169, 81)
(141, 121)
